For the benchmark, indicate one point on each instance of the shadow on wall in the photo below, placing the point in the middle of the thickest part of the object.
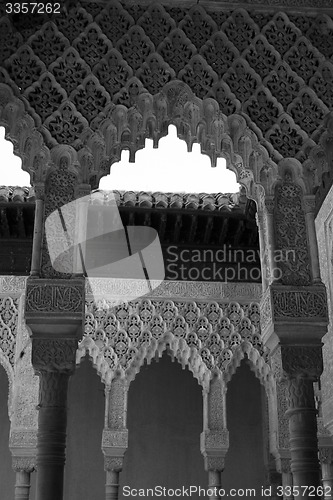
(245, 464)
(164, 423)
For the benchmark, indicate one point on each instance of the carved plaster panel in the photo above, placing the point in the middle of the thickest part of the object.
(202, 52)
(205, 335)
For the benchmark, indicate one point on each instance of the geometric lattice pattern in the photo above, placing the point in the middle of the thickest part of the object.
(73, 68)
(203, 335)
(8, 327)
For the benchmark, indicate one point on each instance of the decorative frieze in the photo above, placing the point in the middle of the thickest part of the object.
(204, 335)
(120, 289)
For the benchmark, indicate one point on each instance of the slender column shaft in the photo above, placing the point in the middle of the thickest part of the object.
(214, 483)
(327, 479)
(303, 436)
(112, 485)
(51, 436)
(287, 482)
(37, 240)
(22, 485)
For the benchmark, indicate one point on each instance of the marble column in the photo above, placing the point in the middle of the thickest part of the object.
(302, 365)
(326, 461)
(115, 435)
(51, 436)
(214, 440)
(113, 467)
(54, 314)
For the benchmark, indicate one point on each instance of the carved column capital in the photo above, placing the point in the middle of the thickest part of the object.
(54, 355)
(26, 464)
(214, 446)
(269, 204)
(39, 190)
(309, 202)
(302, 361)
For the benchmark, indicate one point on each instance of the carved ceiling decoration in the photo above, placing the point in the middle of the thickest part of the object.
(103, 77)
(205, 336)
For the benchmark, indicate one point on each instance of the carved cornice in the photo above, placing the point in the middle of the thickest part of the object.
(187, 290)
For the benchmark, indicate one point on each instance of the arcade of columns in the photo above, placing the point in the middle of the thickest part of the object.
(253, 86)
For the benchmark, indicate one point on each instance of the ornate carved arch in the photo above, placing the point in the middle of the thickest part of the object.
(203, 336)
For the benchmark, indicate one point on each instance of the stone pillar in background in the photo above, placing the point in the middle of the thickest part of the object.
(300, 367)
(326, 462)
(115, 435)
(54, 313)
(214, 440)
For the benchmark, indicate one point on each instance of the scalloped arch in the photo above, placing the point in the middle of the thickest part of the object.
(197, 121)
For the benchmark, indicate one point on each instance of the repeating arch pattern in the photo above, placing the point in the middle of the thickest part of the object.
(205, 336)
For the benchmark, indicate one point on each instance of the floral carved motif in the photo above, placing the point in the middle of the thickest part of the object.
(54, 297)
(290, 234)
